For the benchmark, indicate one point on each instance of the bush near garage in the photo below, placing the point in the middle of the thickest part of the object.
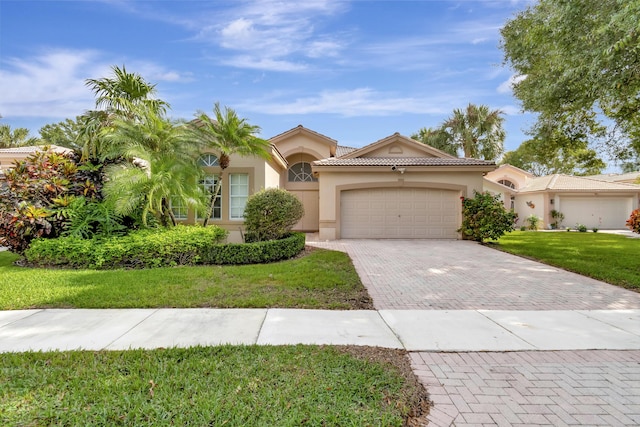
(271, 214)
(633, 223)
(484, 217)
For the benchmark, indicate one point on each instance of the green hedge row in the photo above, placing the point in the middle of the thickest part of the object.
(180, 245)
(257, 252)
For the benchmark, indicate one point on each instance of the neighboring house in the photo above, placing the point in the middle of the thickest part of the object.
(393, 188)
(592, 201)
(8, 156)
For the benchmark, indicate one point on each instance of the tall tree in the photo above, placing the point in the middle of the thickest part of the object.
(476, 131)
(577, 65)
(123, 95)
(163, 167)
(18, 137)
(436, 138)
(226, 134)
(544, 159)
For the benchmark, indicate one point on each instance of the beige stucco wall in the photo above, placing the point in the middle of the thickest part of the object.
(518, 177)
(401, 149)
(332, 183)
(540, 208)
(304, 143)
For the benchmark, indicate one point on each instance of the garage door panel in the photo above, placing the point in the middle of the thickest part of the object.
(399, 213)
(600, 212)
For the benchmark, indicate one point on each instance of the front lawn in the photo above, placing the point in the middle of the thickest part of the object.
(608, 257)
(211, 386)
(321, 279)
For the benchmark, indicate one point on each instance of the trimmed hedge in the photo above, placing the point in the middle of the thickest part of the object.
(180, 245)
(257, 252)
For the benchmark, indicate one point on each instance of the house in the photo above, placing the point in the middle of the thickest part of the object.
(8, 156)
(601, 201)
(392, 188)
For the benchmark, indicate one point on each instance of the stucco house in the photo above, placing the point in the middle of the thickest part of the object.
(601, 201)
(392, 188)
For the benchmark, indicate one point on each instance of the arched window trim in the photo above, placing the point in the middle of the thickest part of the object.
(507, 183)
(301, 172)
(209, 160)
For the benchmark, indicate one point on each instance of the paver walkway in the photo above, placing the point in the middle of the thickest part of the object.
(519, 388)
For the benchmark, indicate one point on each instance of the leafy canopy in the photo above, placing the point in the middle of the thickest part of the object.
(577, 66)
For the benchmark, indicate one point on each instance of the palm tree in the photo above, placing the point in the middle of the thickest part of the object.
(163, 167)
(123, 96)
(227, 134)
(477, 131)
(126, 93)
(19, 137)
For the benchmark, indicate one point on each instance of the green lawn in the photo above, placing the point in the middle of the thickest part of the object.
(611, 258)
(212, 386)
(321, 279)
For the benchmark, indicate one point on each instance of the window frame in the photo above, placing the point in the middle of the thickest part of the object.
(233, 198)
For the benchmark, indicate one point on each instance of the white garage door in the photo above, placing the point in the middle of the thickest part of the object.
(399, 213)
(600, 212)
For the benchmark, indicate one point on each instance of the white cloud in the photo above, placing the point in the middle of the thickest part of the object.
(351, 103)
(507, 86)
(52, 84)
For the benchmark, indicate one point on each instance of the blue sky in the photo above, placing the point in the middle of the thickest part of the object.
(356, 71)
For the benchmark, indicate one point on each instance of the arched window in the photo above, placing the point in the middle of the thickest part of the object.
(301, 172)
(208, 160)
(507, 183)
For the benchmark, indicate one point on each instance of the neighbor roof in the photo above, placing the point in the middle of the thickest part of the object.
(617, 177)
(33, 148)
(559, 182)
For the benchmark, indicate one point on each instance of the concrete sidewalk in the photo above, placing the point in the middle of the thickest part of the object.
(413, 330)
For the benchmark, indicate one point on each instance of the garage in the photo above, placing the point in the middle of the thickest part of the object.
(600, 212)
(399, 213)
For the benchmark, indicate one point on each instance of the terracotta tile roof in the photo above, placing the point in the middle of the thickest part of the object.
(616, 177)
(33, 148)
(299, 128)
(342, 150)
(402, 161)
(558, 182)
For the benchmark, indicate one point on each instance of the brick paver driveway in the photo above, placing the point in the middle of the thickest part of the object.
(595, 388)
(463, 275)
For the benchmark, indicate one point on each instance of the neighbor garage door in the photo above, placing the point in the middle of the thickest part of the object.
(601, 212)
(399, 213)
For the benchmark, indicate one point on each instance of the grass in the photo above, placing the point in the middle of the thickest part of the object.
(608, 257)
(321, 279)
(230, 386)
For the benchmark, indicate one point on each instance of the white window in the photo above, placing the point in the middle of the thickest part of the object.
(209, 185)
(208, 160)
(301, 172)
(238, 194)
(178, 208)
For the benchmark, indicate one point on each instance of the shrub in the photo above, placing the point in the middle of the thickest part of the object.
(581, 228)
(271, 214)
(255, 252)
(558, 217)
(534, 222)
(633, 223)
(484, 217)
(180, 245)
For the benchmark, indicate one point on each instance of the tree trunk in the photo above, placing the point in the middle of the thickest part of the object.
(212, 202)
